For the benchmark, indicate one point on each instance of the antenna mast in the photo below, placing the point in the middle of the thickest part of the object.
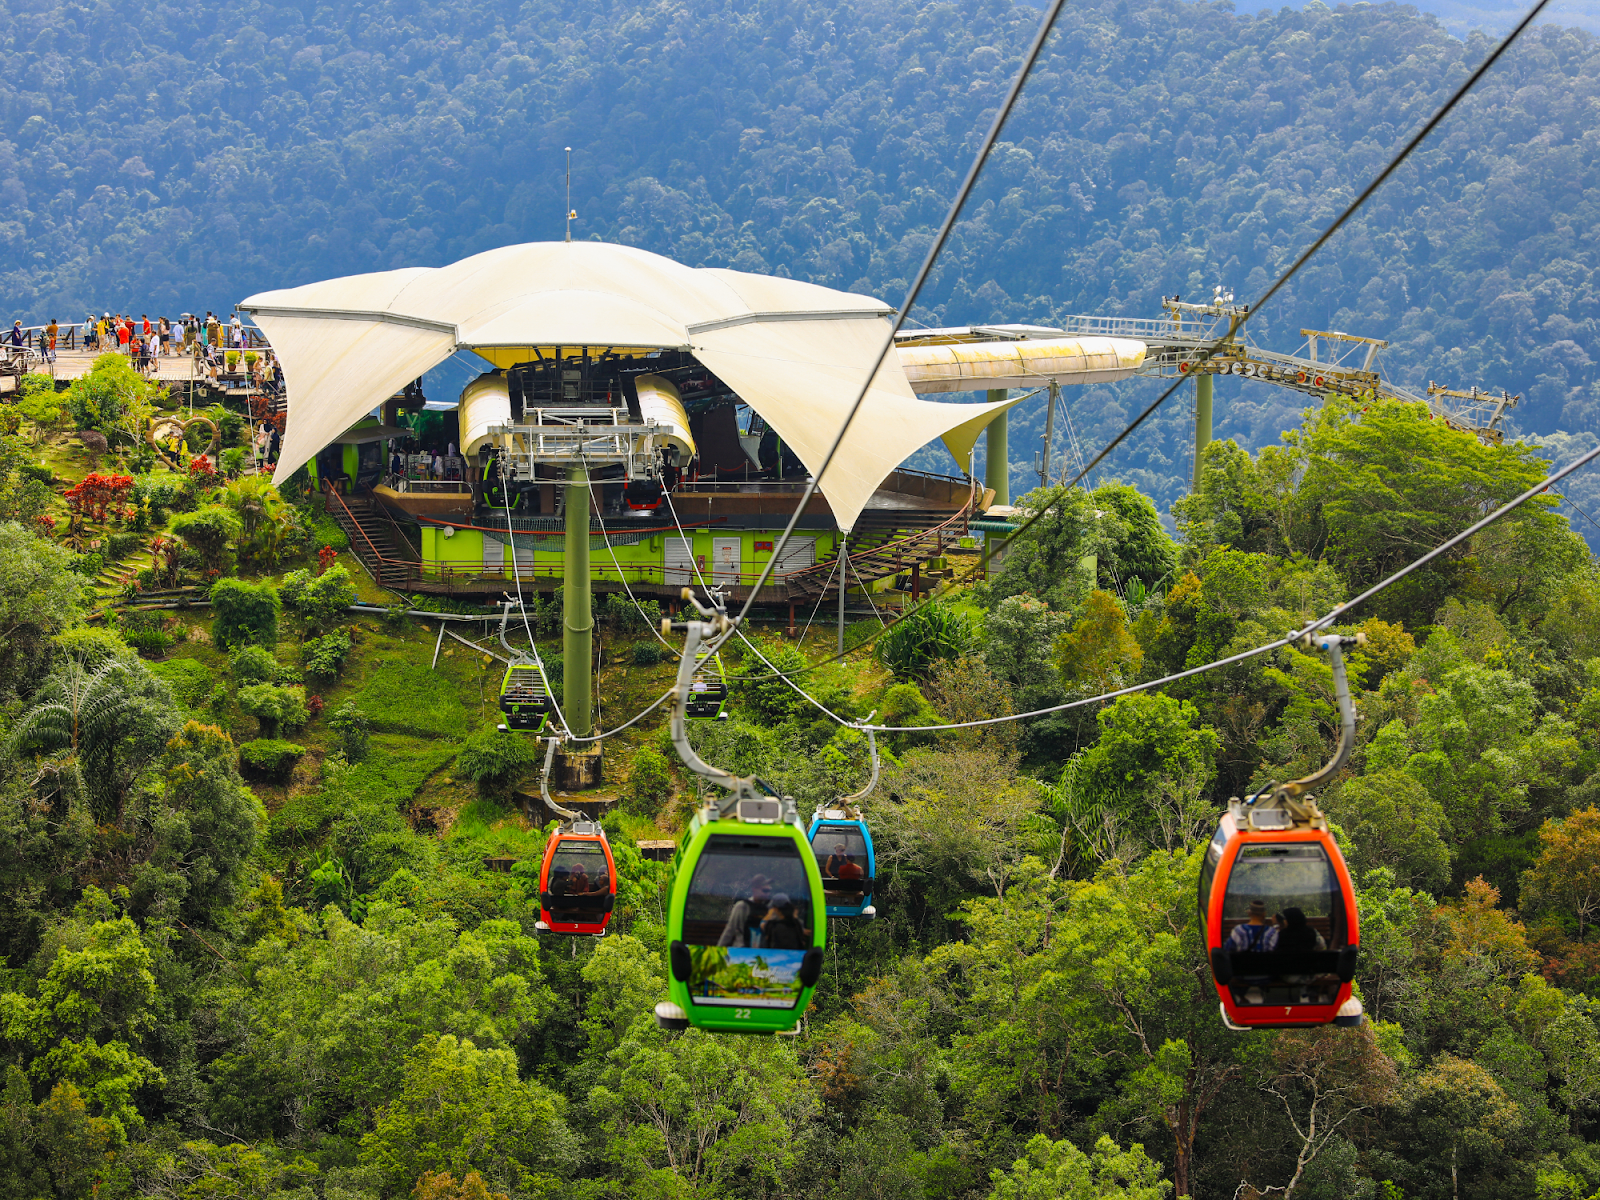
(570, 212)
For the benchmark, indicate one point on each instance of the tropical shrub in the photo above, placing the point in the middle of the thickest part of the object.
(253, 664)
(350, 725)
(270, 758)
(930, 633)
(324, 656)
(318, 600)
(649, 783)
(244, 613)
(493, 758)
(210, 532)
(275, 707)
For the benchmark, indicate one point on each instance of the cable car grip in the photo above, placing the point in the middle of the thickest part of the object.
(1285, 797)
(748, 798)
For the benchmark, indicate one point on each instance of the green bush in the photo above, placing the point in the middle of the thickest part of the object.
(162, 492)
(120, 545)
(649, 784)
(253, 664)
(275, 707)
(350, 725)
(148, 640)
(324, 656)
(318, 600)
(933, 632)
(325, 531)
(212, 532)
(493, 758)
(269, 758)
(189, 679)
(232, 461)
(244, 613)
(92, 645)
(645, 653)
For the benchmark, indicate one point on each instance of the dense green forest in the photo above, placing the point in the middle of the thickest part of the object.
(205, 151)
(268, 871)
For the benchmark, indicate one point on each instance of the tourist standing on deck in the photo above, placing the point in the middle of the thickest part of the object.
(51, 332)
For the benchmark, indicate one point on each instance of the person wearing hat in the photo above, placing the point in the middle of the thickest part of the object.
(17, 338)
(780, 928)
(1256, 933)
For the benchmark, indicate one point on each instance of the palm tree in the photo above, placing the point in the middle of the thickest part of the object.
(90, 714)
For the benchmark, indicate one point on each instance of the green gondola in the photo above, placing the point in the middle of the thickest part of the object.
(746, 923)
(525, 697)
(524, 691)
(708, 691)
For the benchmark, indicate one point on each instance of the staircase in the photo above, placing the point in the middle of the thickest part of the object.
(884, 543)
(373, 538)
(115, 577)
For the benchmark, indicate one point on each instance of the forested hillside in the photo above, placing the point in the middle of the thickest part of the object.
(205, 151)
(269, 875)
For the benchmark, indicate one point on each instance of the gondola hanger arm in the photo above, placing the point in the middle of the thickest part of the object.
(872, 746)
(544, 785)
(712, 626)
(1287, 795)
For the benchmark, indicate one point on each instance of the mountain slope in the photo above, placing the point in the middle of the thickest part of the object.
(204, 152)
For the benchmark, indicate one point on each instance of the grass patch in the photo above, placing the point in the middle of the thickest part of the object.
(484, 829)
(394, 770)
(397, 767)
(190, 679)
(410, 698)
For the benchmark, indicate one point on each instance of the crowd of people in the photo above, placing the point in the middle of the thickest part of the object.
(147, 340)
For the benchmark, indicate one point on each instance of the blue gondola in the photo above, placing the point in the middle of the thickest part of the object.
(841, 843)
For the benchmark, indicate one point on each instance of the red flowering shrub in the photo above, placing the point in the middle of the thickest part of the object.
(203, 471)
(326, 558)
(96, 493)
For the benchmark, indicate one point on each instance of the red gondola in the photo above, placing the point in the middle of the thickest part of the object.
(1276, 902)
(578, 882)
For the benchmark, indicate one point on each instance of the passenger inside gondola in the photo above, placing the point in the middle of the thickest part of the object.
(743, 927)
(781, 929)
(578, 875)
(731, 890)
(843, 868)
(1287, 964)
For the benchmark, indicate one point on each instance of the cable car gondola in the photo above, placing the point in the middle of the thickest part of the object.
(841, 843)
(524, 691)
(1276, 902)
(578, 879)
(745, 919)
(525, 697)
(708, 690)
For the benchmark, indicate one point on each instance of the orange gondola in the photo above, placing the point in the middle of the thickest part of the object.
(578, 879)
(1276, 901)
(578, 882)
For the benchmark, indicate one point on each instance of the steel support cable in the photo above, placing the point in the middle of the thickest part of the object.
(605, 534)
(753, 648)
(934, 250)
(516, 574)
(1236, 323)
(1310, 630)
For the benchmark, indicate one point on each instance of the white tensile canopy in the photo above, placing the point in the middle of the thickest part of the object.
(795, 352)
